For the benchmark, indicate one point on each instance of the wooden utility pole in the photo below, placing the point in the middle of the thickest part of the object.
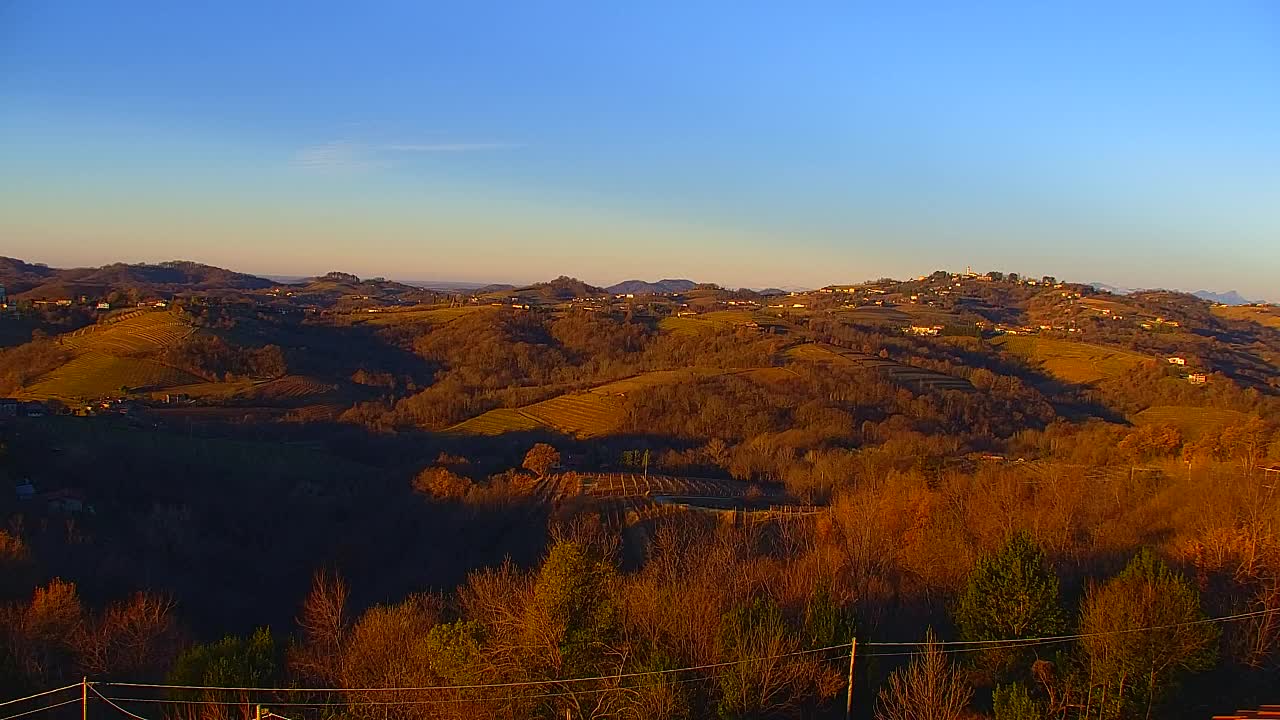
(257, 712)
(84, 698)
(848, 700)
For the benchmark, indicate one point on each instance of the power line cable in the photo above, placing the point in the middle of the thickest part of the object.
(39, 694)
(708, 666)
(438, 701)
(110, 702)
(41, 709)
(954, 646)
(976, 645)
(1080, 636)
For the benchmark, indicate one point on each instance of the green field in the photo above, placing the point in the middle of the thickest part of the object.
(1074, 362)
(1192, 422)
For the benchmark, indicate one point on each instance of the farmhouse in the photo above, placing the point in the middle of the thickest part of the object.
(1177, 361)
(925, 330)
(66, 500)
(1197, 378)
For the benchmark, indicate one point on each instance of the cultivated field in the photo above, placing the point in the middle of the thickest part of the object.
(1100, 304)
(134, 333)
(418, 315)
(580, 414)
(94, 375)
(497, 422)
(1074, 362)
(104, 358)
(289, 389)
(684, 325)
(591, 413)
(693, 324)
(1192, 422)
(875, 314)
(913, 377)
(1268, 316)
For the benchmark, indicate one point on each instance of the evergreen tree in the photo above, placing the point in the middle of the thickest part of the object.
(1014, 702)
(1009, 595)
(1132, 672)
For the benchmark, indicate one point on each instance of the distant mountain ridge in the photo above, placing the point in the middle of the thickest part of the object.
(641, 287)
(1230, 297)
(1113, 289)
(40, 281)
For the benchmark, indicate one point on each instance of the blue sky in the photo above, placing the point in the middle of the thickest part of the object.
(741, 143)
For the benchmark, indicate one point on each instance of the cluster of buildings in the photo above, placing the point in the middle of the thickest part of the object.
(14, 408)
(1195, 378)
(66, 501)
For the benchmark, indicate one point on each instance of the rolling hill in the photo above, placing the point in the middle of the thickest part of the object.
(1073, 362)
(592, 413)
(106, 358)
(641, 287)
(166, 278)
(908, 375)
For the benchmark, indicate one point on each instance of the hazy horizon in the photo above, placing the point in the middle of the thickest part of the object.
(468, 283)
(750, 147)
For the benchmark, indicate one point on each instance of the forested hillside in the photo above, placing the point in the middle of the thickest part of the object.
(355, 498)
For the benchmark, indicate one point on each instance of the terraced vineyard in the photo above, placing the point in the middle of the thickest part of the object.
(580, 414)
(94, 374)
(593, 413)
(104, 358)
(913, 377)
(1192, 422)
(291, 387)
(497, 422)
(1074, 362)
(137, 332)
(636, 485)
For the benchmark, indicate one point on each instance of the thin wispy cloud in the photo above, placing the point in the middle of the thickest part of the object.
(348, 156)
(449, 147)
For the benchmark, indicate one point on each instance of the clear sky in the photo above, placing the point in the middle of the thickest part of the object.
(744, 143)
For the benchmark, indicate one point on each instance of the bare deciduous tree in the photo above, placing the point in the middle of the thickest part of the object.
(929, 688)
